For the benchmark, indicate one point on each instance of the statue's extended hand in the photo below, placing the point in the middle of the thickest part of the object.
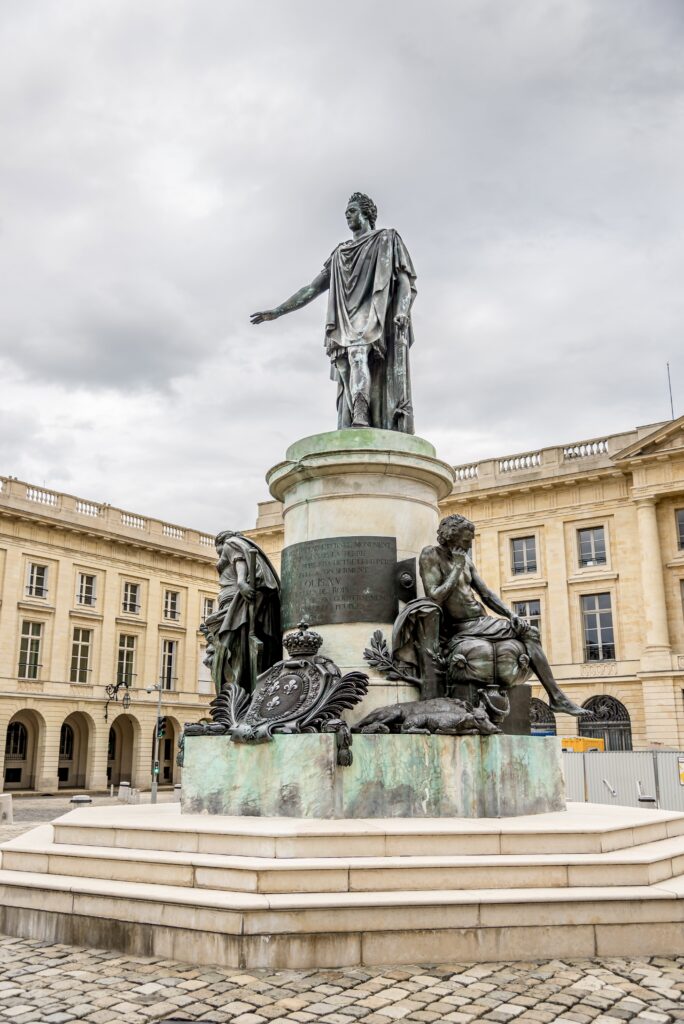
(246, 591)
(520, 625)
(401, 322)
(266, 314)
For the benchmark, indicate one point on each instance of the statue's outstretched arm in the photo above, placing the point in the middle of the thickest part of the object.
(303, 297)
(491, 599)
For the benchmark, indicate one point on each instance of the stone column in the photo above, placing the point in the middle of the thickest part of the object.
(656, 655)
(359, 483)
(141, 754)
(97, 756)
(46, 764)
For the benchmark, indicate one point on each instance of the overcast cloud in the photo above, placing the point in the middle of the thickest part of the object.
(169, 166)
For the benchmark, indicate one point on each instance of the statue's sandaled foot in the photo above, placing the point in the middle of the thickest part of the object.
(566, 707)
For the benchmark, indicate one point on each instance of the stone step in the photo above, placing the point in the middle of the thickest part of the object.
(411, 891)
(584, 828)
(640, 865)
(292, 931)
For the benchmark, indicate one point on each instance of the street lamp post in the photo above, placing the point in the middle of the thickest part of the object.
(155, 756)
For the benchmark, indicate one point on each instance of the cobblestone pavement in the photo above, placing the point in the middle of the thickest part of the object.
(56, 984)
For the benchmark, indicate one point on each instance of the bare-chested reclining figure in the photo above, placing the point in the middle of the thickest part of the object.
(453, 584)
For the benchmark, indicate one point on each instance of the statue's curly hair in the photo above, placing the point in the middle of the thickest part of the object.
(224, 535)
(450, 523)
(368, 207)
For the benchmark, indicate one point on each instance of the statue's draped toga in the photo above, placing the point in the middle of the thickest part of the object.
(362, 338)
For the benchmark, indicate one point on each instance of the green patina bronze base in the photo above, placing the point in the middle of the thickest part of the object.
(403, 776)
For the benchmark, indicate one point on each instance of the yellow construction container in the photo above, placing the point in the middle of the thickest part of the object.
(580, 744)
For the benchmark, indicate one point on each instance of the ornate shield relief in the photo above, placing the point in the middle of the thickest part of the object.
(286, 693)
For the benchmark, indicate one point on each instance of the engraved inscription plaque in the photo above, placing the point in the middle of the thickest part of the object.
(339, 579)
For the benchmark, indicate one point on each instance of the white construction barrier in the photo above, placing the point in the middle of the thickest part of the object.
(628, 778)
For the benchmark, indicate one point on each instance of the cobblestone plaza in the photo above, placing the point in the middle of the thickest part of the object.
(43, 984)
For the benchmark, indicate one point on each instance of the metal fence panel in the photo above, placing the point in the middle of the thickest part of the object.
(670, 773)
(619, 778)
(573, 769)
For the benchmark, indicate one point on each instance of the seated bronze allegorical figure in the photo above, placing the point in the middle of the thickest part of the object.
(449, 633)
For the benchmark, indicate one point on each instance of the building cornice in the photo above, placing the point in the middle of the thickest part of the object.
(71, 514)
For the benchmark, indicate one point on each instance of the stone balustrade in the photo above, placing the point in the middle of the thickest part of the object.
(67, 508)
(516, 462)
(532, 466)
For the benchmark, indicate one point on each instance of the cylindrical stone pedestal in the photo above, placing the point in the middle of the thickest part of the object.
(380, 485)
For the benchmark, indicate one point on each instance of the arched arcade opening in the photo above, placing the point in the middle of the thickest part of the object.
(168, 769)
(609, 721)
(120, 750)
(542, 718)
(22, 742)
(74, 746)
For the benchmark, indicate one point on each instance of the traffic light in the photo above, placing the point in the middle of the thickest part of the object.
(161, 727)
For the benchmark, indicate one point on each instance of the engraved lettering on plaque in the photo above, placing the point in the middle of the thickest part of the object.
(339, 579)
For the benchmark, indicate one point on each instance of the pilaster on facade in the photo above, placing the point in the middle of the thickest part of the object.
(662, 699)
(657, 652)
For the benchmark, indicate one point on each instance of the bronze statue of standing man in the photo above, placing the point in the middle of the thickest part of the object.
(371, 284)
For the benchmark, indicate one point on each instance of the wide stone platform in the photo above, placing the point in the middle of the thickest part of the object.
(287, 893)
(410, 775)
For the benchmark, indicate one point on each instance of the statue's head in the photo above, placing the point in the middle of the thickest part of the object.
(456, 530)
(223, 536)
(364, 205)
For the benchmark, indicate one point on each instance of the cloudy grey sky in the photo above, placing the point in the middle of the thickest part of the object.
(169, 166)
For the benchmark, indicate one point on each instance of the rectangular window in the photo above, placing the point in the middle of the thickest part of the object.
(204, 683)
(597, 624)
(208, 606)
(131, 598)
(167, 674)
(125, 667)
(679, 515)
(66, 745)
(591, 544)
(530, 610)
(171, 604)
(29, 650)
(523, 555)
(85, 593)
(81, 648)
(37, 580)
(16, 742)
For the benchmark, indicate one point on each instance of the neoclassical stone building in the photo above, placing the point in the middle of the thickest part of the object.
(93, 596)
(587, 539)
